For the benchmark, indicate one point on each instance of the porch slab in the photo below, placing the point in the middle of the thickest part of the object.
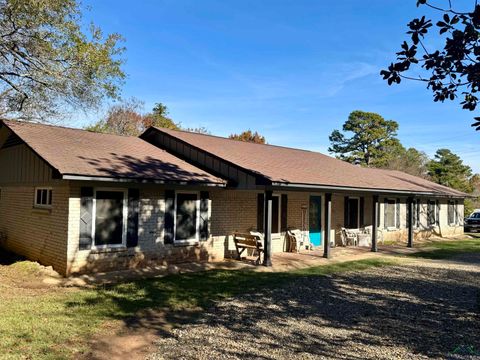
(281, 262)
(304, 259)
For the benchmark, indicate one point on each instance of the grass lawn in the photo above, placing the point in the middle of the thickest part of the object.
(55, 323)
(448, 249)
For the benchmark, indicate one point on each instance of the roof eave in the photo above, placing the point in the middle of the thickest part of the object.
(76, 177)
(367, 190)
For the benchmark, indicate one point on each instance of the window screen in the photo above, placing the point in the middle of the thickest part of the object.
(451, 212)
(109, 218)
(390, 208)
(186, 220)
(351, 221)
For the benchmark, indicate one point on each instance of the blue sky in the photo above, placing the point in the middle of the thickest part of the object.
(291, 69)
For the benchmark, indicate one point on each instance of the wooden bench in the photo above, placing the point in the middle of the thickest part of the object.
(244, 241)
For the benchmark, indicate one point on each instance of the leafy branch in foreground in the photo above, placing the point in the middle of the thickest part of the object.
(48, 65)
(450, 71)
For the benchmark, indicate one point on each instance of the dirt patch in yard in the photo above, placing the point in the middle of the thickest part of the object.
(20, 275)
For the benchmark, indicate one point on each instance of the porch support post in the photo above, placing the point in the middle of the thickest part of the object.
(267, 238)
(328, 221)
(410, 222)
(374, 223)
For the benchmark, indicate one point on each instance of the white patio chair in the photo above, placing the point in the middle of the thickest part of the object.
(295, 239)
(349, 237)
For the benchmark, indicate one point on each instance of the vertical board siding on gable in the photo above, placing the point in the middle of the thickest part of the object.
(24, 166)
(232, 173)
(203, 159)
(194, 155)
(224, 169)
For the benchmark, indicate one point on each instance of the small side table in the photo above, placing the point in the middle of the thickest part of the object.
(364, 240)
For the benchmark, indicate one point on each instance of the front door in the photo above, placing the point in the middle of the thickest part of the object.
(315, 220)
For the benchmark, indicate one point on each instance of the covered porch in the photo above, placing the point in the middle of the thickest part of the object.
(287, 261)
(341, 223)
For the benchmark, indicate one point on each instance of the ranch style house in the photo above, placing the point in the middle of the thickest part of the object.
(88, 202)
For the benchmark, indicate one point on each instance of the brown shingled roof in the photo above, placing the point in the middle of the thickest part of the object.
(84, 153)
(294, 166)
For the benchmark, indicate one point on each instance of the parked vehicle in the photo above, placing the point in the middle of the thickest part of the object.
(472, 223)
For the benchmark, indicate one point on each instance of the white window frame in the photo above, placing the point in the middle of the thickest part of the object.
(196, 239)
(42, 206)
(124, 223)
(395, 225)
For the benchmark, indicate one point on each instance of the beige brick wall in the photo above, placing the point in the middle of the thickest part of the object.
(237, 211)
(42, 234)
(151, 249)
(38, 234)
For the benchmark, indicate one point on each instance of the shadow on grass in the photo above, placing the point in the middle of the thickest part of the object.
(195, 291)
(415, 309)
(380, 309)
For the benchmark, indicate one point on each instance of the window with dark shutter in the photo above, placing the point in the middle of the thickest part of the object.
(169, 216)
(362, 212)
(431, 213)
(397, 214)
(275, 214)
(260, 211)
(204, 211)
(86, 218)
(132, 218)
(377, 205)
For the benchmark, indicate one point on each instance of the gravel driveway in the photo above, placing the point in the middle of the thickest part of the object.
(423, 309)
